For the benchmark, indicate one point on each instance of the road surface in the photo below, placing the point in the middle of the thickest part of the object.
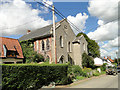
(106, 81)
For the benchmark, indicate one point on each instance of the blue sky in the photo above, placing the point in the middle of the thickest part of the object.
(67, 8)
(95, 17)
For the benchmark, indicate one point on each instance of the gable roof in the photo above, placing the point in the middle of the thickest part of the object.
(77, 39)
(108, 58)
(37, 33)
(11, 45)
(41, 32)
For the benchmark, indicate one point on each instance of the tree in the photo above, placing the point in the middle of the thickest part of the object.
(93, 47)
(87, 61)
(28, 52)
(38, 58)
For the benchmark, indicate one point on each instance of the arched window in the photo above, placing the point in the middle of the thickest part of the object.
(61, 41)
(69, 47)
(43, 45)
(47, 44)
(61, 59)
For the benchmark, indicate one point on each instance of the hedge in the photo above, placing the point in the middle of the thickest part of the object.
(32, 76)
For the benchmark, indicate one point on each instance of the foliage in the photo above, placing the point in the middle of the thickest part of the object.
(28, 52)
(75, 71)
(93, 47)
(87, 61)
(80, 77)
(98, 74)
(32, 76)
(103, 67)
(88, 71)
(117, 60)
(38, 58)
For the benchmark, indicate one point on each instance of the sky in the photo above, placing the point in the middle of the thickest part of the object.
(96, 18)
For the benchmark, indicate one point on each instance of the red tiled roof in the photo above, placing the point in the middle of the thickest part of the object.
(12, 45)
(111, 60)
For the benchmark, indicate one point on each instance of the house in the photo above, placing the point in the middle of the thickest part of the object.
(10, 51)
(108, 59)
(68, 46)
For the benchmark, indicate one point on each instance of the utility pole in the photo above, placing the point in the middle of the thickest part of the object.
(117, 58)
(54, 45)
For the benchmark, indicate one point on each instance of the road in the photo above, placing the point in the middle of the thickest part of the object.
(106, 81)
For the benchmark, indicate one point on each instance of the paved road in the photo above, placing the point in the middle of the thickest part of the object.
(107, 81)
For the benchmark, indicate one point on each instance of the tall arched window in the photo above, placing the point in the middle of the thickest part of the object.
(43, 45)
(61, 41)
(47, 44)
(69, 48)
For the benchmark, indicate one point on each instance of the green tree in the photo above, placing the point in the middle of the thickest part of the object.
(38, 58)
(28, 52)
(93, 47)
(87, 61)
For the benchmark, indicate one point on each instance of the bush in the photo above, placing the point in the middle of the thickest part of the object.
(103, 67)
(38, 58)
(75, 71)
(87, 71)
(87, 61)
(32, 76)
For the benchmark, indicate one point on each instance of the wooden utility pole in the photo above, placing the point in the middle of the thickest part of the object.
(54, 46)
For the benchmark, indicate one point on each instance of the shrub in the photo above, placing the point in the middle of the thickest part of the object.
(38, 58)
(103, 67)
(87, 61)
(75, 71)
(32, 76)
(87, 71)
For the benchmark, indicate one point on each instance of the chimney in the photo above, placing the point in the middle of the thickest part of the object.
(104, 57)
(28, 31)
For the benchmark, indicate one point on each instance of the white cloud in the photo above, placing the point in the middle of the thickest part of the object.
(106, 10)
(79, 21)
(111, 53)
(17, 17)
(112, 43)
(47, 4)
(105, 32)
(107, 13)
(100, 22)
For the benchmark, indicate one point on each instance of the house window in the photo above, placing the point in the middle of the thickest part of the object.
(69, 47)
(61, 41)
(43, 45)
(47, 44)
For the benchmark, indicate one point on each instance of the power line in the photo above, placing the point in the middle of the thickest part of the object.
(60, 14)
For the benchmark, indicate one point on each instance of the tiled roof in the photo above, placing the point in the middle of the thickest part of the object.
(109, 59)
(41, 32)
(12, 45)
(37, 33)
